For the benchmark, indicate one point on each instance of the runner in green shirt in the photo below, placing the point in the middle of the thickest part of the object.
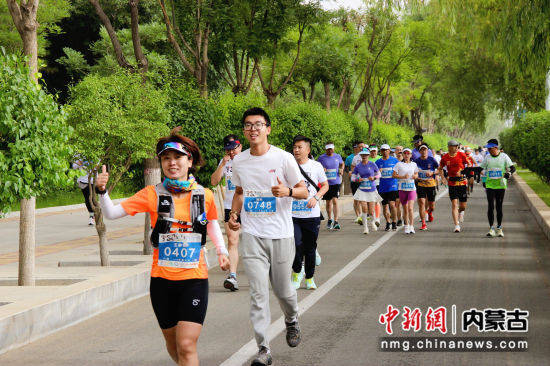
(497, 167)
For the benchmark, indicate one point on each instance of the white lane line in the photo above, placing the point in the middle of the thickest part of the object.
(250, 349)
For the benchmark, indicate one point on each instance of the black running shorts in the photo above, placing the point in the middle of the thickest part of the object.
(426, 192)
(333, 192)
(458, 193)
(389, 196)
(175, 301)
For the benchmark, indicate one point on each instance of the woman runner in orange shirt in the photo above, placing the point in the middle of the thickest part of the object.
(179, 277)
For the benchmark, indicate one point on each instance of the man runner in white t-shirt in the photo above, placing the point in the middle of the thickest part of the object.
(266, 179)
(232, 147)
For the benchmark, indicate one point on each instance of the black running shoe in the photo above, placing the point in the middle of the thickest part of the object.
(399, 222)
(388, 226)
(293, 335)
(394, 226)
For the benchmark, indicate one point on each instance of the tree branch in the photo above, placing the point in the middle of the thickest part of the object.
(143, 63)
(112, 35)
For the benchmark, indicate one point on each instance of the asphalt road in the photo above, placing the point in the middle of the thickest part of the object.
(341, 324)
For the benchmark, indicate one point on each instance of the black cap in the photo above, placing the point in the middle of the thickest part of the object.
(230, 142)
(417, 138)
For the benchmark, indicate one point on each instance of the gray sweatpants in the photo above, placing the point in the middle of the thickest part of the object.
(266, 260)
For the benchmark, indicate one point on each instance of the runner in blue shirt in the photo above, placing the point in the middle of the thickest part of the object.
(388, 186)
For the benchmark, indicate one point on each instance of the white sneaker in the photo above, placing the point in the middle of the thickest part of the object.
(91, 221)
(373, 226)
(407, 229)
(317, 258)
(461, 216)
(457, 228)
(411, 230)
(499, 232)
(492, 233)
(365, 229)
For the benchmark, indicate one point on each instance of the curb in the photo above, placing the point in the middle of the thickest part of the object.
(540, 210)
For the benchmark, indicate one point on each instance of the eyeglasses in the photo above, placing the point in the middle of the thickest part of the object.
(254, 126)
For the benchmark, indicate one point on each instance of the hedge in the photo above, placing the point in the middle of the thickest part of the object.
(528, 142)
(207, 121)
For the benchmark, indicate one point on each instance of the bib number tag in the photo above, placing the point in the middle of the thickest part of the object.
(494, 173)
(300, 207)
(365, 185)
(260, 203)
(230, 185)
(332, 173)
(386, 172)
(179, 250)
(406, 185)
(423, 174)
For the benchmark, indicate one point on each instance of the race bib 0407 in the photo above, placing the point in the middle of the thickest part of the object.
(179, 250)
(259, 203)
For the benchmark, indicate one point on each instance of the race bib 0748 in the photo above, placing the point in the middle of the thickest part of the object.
(259, 203)
(179, 250)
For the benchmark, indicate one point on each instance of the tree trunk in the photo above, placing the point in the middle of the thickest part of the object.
(24, 19)
(327, 95)
(102, 233)
(312, 93)
(26, 242)
(271, 99)
(152, 177)
(547, 91)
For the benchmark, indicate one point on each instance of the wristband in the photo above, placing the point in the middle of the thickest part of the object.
(99, 191)
(290, 192)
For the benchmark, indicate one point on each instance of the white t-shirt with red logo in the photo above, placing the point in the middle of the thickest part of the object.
(262, 214)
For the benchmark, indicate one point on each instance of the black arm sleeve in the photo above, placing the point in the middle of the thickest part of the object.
(512, 169)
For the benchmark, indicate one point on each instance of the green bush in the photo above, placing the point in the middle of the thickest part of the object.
(312, 121)
(527, 142)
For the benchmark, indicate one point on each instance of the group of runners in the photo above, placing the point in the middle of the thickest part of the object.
(272, 214)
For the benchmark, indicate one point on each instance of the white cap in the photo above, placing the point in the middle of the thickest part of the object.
(385, 147)
(407, 149)
(364, 151)
(329, 146)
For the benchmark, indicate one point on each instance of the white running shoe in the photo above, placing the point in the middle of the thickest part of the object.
(91, 221)
(492, 233)
(373, 226)
(317, 258)
(499, 232)
(461, 216)
(411, 230)
(457, 228)
(407, 229)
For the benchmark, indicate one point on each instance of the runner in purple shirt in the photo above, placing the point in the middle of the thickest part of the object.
(334, 168)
